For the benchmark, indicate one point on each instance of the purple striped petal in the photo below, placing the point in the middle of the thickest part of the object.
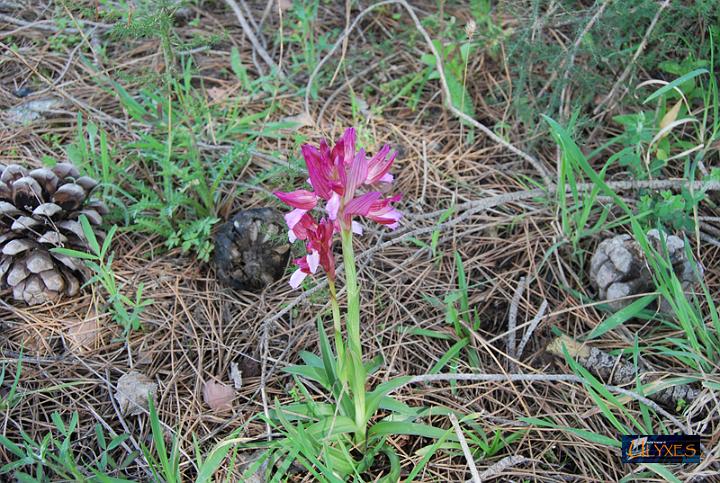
(361, 205)
(379, 165)
(357, 175)
(302, 199)
(318, 172)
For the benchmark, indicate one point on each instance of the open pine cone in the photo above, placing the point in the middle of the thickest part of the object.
(619, 268)
(39, 210)
(251, 250)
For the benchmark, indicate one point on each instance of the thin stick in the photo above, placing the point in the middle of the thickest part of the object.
(502, 465)
(621, 80)
(443, 81)
(48, 25)
(253, 39)
(531, 328)
(571, 60)
(425, 173)
(466, 449)
(512, 318)
(542, 378)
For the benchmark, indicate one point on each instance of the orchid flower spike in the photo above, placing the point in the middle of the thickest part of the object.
(346, 180)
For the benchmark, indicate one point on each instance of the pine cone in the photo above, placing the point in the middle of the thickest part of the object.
(619, 268)
(251, 250)
(39, 210)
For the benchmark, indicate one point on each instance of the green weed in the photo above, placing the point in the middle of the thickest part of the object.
(125, 311)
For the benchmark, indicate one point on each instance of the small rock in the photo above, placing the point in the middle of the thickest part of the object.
(30, 111)
(246, 461)
(252, 249)
(132, 393)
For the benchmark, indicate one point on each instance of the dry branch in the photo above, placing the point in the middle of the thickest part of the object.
(534, 162)
(502, 465)
(617, 371)
(253, 39)
(570, 378)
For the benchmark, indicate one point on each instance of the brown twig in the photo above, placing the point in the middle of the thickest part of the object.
(253, 38)
(617, 371)
(620, 80)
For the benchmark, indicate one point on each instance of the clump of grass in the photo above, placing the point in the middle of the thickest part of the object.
(126, 311)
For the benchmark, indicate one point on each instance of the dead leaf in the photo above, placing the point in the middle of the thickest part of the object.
(300, 120)
(83, 333)
(671, 115)
(30, 111)
(284, 5)
(217, 93)
(132, 393)
(218, 396)
(250, 367)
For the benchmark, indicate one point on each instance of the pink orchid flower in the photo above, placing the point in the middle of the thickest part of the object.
(319, 241)
(338, 175)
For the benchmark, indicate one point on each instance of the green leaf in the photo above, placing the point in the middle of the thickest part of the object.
(10, 446)
(386, 428)
(238, 67)
(73, 253)
(459, 95)
(333, 425)
(327, 355)
(449, 355)
(662, 471)
(374, 397)
(134, 108)
(621, 316)
(582, 433)
(212, 463)
(313, 373)
(675, 83)
(435, 334)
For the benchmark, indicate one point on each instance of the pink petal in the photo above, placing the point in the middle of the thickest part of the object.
(387, 215)
(361, 205)
(313, 260)
(333, 205)
(291, 236)
(314, 160)
(344, 149)
(303, 199)
(379, 165)
(387, 178)
(293, 218)
(297, 278)
(357, 175)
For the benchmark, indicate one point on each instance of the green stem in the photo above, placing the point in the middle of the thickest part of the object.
(353, 293)
(356, 372)
(337, 323)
